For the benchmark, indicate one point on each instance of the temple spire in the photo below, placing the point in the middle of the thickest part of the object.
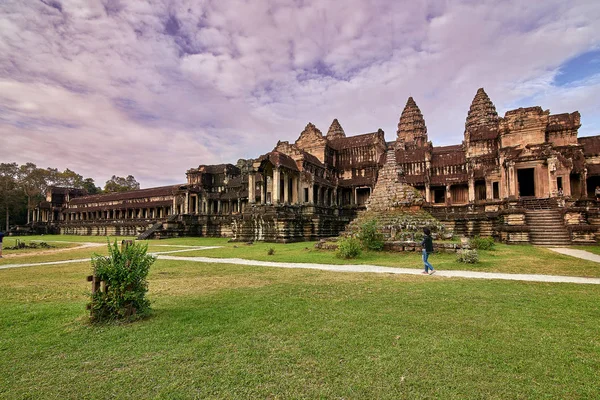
(412, 130)
(482, 112)
(335, 130)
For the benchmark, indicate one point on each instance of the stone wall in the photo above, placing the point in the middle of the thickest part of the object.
(288, 223)
(105, 229)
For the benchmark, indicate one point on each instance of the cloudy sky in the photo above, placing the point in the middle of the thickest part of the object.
(153, 88)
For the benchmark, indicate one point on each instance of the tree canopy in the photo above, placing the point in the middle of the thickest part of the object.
(120, 184)
(22, 187)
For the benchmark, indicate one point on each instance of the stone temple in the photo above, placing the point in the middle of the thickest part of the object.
(524, 177)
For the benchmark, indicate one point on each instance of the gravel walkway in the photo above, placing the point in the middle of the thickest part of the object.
(584, 255)
(350, 268)
(390, 270)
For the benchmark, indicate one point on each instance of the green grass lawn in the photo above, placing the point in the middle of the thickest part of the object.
(504, 258)
(226, 331)
(11, 242)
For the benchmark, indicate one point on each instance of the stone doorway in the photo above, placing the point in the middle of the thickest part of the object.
(362, 195)
(592, 183)
(526, 181)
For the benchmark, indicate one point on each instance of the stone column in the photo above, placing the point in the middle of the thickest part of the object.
(471, 190)
(294, 199)
(583, 183)
(319, 195)
(514, 181)
(428, 193)
(311, 193)
(264, 189)
(252, 188)
(276, 182)
(448, 195)
(286, 187)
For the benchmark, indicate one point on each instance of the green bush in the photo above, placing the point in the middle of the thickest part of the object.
(479, 243)
(349, 248)
(369, 237)
(467, 256)
(271, 251)
(124, 272)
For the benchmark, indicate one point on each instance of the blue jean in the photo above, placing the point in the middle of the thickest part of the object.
(427, 265)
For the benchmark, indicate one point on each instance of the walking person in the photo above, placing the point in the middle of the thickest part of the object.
(1, 237)
(427, 245)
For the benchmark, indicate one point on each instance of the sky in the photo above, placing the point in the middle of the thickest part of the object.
(154, 88)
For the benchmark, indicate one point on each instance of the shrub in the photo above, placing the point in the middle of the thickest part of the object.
(124, 273)
(271, 251)
(479, 243)
(349, 248)
(369, 237)
(467, 256)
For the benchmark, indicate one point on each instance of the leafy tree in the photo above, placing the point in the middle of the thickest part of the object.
(67, 178)
(90, 186)
(9, 189)
(33, 181)
(120, 184)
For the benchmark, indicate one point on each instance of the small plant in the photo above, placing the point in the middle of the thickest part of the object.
(124, 274)
(369, 237)
(271, 251)
(479, 243)
(349, 248)
(467, 256)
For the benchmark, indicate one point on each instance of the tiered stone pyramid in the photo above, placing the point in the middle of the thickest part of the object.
(335, 130)
(395, 205)
(389, 192)
(482, 111)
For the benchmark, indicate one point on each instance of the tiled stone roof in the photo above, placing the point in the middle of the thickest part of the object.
(365, 139)
(133, 194)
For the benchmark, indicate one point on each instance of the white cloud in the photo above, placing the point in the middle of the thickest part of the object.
(128, 87)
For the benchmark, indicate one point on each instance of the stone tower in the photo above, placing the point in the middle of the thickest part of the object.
(412, 131)
(335, 130)
(481, 126)
(390, 192)
(482, 112)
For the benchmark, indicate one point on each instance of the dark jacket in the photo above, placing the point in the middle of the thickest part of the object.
(1, 236)
(427, 244)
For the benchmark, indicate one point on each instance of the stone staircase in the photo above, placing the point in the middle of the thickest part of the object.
(547, 227)
(531, 203)
(149, 233)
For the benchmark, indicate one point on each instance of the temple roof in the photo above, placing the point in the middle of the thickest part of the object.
(448, 155)
(482, 112)
(335, 130)
(133, 194)
(365, 139)
(218, 169)
(310, 136)
(278, 159)
(411, 121)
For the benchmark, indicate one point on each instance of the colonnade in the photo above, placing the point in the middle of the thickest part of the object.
(117, 214)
